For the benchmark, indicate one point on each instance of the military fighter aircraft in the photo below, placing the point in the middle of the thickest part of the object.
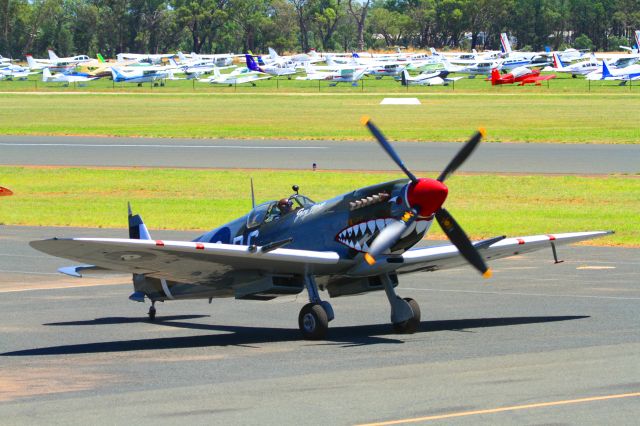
(355, 243)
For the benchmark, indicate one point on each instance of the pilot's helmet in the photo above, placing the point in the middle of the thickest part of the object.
(285, 205)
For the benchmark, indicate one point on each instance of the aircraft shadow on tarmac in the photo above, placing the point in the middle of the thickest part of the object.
(243, 336)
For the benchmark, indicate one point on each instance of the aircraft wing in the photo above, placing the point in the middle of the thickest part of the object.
(537, 79)
(187, 262)
(447, 256)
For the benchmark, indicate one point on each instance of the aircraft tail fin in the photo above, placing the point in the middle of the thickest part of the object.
(115, 74)
(46, 75)
(100, 58)
(52, 55)
(273, 54)
(495, 76)
(137, 229)
(251, 63)
(181, 56)
(557, 62)
(637, 33)
(405, 78)
(31, 62)
(606, 72)
(505, 43)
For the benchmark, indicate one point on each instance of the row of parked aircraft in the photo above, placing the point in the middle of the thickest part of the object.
(501, 67)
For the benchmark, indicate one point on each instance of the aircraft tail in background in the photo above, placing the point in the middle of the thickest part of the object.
(505, 43)
(251, 63)
(52, 55)
(557, 62)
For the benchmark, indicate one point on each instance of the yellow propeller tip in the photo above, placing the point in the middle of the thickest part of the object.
(488, 273)
(370, 260)
(483, 132)
(364, 120)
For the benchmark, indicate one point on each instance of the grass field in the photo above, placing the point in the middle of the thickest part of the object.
(508, 114)
(198, 200)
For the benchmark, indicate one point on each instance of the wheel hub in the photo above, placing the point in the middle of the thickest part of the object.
(309, 322)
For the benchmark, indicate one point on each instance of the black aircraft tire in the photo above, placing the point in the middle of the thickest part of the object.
(411, 325)
(313, 321)
(152, 314)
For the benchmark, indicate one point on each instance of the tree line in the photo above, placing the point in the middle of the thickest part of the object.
(221, 26)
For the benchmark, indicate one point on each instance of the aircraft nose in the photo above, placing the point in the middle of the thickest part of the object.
(427, 195)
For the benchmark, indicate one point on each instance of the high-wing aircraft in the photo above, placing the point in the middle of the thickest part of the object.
(275, 69)
(631, 72)
(354, 243)
(59, 77)
(576, 68)
(237, 76)
(342, 74)
(139, 75)
(435, 78)
(522, 75)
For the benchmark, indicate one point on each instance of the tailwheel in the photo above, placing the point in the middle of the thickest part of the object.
(313, 321)
(152, 312)
(411, 325)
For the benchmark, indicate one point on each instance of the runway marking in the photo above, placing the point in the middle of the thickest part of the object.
(511, 293)
(85, 145)
(595, 268)
(503, 409)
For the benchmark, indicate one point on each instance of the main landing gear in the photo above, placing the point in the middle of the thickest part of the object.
(314, 316)
(405, 313)
(152, 311)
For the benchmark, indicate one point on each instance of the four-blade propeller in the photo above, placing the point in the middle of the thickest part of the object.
(425, 198)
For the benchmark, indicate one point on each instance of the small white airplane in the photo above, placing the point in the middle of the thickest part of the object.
(275, 68)
(300, 60)
(14, 72)
(59, 77)
(55, 60)
(238, 76)
(142, 57)
(218, 59)
(139, 75)
(479, 68)
(424, 79)
(4, 60)
(631, 72)
(340, 75)
(575, 69)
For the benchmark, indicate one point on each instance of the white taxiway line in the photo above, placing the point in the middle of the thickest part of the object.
(511, 293)
(76, 145)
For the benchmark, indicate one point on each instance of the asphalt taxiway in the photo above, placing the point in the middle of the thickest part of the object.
(537, 344)
(327, 155)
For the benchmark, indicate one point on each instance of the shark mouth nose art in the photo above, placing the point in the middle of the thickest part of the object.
(359, 236)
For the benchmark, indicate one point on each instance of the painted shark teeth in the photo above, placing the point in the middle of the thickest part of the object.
(359, 236)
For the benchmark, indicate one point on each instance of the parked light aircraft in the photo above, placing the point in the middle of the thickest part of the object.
(237, 76)
(427, 78)
(355, 243)
(300, 60)
(522, 75)
(55, 60)
(575, 69)
(343, 74)
(9, 71)
(275, 69)
(479, 68)
(631, 72)
(139, 75)
(59, 77)
(4, 60)
(41, 64)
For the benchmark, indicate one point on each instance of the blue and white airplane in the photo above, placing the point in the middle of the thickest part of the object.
(631, 72)
(139, 75)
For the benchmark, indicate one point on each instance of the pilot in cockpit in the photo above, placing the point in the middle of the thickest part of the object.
(285, 205)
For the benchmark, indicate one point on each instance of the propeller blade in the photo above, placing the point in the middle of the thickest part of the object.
(387, 147)
(461, 241)
(462, 155)
(389, 236)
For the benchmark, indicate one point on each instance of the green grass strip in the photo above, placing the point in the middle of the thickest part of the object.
(443, 116)
(486, 205)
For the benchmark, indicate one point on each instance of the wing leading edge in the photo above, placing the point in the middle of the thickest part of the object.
(187, 262)
(445, 257)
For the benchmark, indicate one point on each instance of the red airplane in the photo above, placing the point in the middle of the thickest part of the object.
(523, 75)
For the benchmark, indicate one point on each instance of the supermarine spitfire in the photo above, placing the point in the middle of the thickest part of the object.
(355, 243)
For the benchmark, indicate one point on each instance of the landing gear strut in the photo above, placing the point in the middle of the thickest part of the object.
(152, 311)
(314, 316)
(405, 313)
